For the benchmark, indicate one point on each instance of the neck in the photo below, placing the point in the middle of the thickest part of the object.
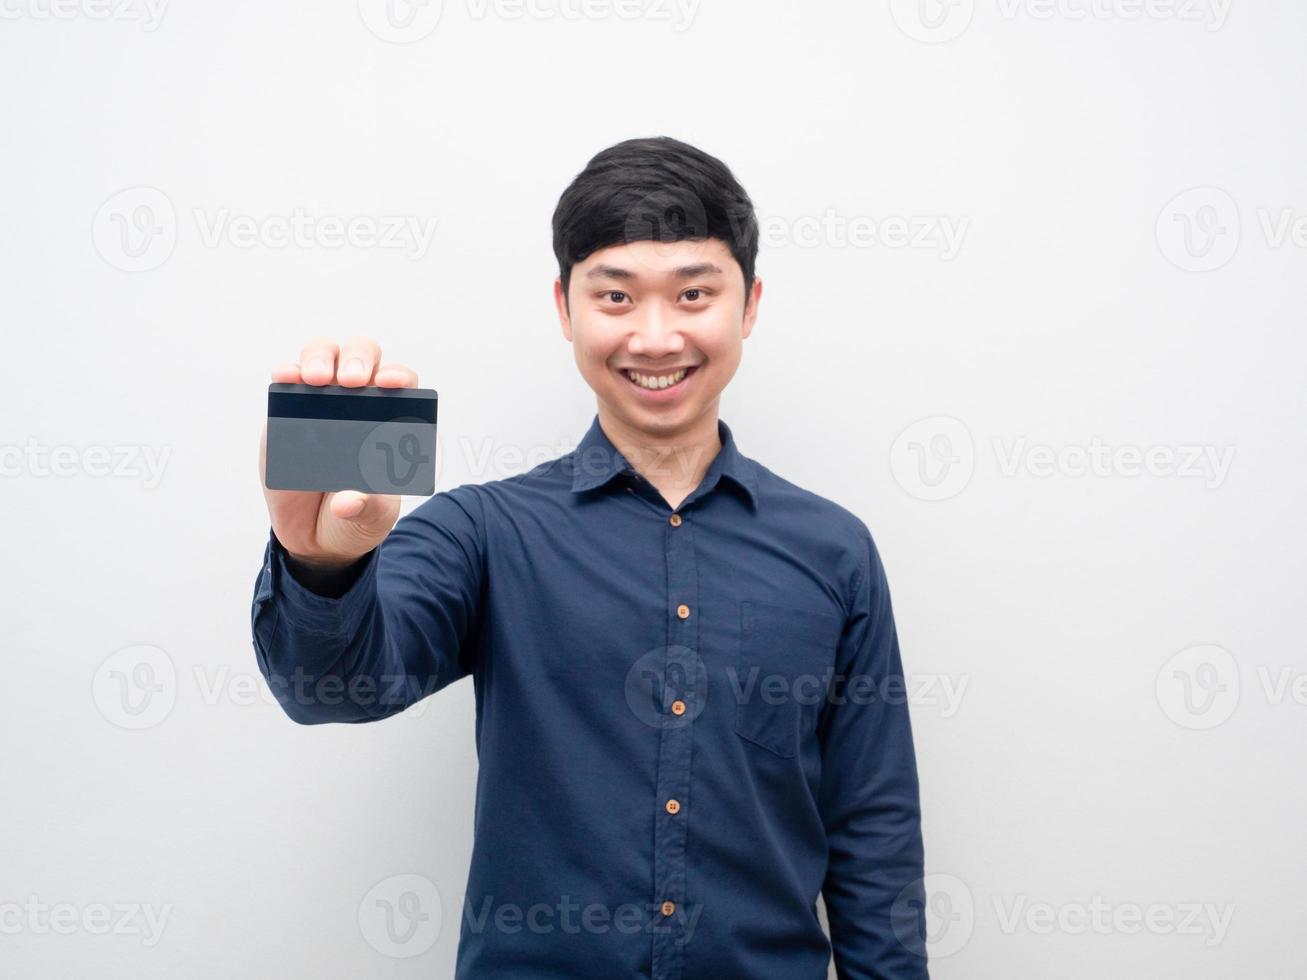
(674, 461)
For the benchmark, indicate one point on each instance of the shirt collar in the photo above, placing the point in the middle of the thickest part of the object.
(596, 461)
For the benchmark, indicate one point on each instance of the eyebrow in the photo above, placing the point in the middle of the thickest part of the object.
(681, 272)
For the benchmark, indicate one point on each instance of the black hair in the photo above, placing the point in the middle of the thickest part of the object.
(658, 189)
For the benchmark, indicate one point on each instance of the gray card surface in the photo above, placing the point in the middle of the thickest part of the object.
(329, 437)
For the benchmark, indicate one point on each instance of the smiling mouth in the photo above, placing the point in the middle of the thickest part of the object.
(659, 382)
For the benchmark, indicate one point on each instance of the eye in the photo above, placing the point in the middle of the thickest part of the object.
(694, 293)
(615, 295)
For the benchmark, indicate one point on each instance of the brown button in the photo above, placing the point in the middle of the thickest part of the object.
(669, 908)
(683, 611)
(673, 806)
(678, 707)
(674, 520)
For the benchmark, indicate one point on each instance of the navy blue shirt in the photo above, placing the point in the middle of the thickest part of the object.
(689, 721)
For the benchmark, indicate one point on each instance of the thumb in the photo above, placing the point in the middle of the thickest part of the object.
(369, 513)
(348, 505)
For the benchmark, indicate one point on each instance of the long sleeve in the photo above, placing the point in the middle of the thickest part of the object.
(869, 800)
(407, 626)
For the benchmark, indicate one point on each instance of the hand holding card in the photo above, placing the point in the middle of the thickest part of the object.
(344, 438)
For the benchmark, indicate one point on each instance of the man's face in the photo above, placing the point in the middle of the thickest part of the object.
(674, 313)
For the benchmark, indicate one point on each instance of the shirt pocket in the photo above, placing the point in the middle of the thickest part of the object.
(783, 667)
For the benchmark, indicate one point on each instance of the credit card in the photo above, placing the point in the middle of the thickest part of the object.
(330, 437)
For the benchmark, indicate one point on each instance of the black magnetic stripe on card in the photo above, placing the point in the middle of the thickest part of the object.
(351, 408)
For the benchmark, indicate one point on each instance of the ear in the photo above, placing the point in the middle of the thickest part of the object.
(751, 307)
(564, 316)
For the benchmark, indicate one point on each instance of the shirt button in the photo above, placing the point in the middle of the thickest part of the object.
(673, 806)
(674, 520)
(683, 611)
(678, 707)
(669, 908)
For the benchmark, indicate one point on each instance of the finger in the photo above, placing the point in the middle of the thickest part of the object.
(358, 360)
(318, 361)
(287, 373)
(396, 376)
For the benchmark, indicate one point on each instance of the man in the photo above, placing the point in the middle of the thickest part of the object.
(684, 665)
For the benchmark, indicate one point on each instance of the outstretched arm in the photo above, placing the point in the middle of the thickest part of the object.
(869, 797)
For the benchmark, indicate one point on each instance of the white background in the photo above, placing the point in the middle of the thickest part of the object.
(1126, 280)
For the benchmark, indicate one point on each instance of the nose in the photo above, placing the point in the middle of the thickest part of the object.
(654, 336)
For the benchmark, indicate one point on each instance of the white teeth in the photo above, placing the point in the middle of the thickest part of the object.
(655, 382)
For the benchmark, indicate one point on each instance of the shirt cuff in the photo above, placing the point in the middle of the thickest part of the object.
(309, 612)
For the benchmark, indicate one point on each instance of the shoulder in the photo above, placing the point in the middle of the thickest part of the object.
(820, 514)
(837, 538)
